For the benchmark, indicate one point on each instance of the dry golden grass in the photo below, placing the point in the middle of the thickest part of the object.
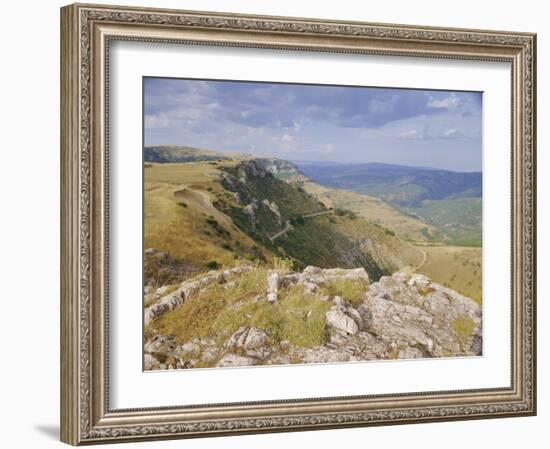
(179, 217)
(185, 173)
(218, 312)
(456, 267)
(464, 326)
(351, 290)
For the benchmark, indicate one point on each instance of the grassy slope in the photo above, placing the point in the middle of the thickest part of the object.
(459, 218)
(456, 267)
(181, 221)
(328, 241)
(376, 211)
(298, 317)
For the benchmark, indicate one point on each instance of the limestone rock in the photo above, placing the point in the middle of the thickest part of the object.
(149, 362)
(345, 319)
(229, 360)
(272, 286)
(160, 343)
(247, 338)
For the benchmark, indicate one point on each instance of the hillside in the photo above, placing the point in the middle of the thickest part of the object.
(247, 262)
(376, 211)
(456, 267)
(305, 229)
(396, 184)
(448, 202)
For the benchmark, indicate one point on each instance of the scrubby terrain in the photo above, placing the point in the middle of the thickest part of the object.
(248, 262)
(254, 316)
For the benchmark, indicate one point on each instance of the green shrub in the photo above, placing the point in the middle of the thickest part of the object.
(352, 290)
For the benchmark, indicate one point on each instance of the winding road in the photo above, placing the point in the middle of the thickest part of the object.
(288, 225)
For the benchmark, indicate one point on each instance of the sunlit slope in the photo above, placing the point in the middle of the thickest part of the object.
(456, 267)
(375, 211)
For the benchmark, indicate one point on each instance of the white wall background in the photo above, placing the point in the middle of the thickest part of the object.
(29, 186)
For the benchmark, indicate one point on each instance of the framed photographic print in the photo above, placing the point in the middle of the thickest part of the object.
(280, 224)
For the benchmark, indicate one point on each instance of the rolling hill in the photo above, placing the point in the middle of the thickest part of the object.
(179, 154)
(248, 262)
(449, 202)
(396, 184)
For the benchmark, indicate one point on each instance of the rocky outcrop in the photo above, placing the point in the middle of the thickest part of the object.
(345, 319)
(403, 316)
(247, 338)
(188, 289)
(272, 206)
(311, 278)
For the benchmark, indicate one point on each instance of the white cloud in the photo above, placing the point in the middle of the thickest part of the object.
(450, 103)
(156, 121)
(412, 134)
(451, 133)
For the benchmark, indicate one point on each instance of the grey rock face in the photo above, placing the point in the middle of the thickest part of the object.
(251, 340)
(160, 343)
(415, 312)
(346, 319)
(235, 360)
(322, 354)
(149, 362)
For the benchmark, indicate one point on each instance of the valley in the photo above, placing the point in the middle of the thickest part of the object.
(240, 252)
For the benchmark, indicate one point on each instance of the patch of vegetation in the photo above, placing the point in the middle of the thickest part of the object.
(210, 312)
(345, 213)
(351, 290)
(219, 311)
(305, 323)
(299, 220)
(464, 326)
(283, 263)
(212, 265)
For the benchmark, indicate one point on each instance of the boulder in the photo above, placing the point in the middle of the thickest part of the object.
(149, 362)
(272, 286)
(189, 349)
(247, 338)
(345, 319)
(160, 343)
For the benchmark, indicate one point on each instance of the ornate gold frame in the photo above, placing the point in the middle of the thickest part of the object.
(86, 32)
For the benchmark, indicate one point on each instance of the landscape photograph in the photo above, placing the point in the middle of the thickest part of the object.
(303, 223)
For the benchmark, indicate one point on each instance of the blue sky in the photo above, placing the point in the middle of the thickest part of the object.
(317, 123)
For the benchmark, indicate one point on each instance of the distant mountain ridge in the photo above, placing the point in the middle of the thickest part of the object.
(178, 154)
(400, 185)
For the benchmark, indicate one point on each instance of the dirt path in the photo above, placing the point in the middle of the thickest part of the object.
(287, 228)
(316, 214)
(425, 254)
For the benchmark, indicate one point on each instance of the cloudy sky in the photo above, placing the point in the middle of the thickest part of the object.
(317, 123)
